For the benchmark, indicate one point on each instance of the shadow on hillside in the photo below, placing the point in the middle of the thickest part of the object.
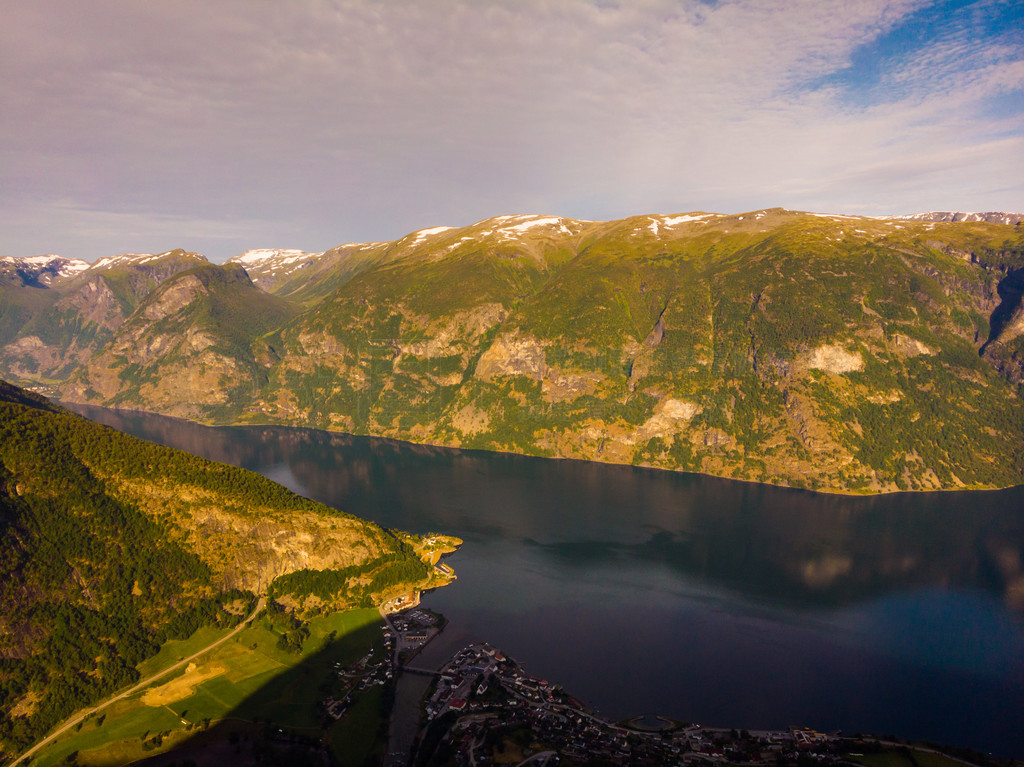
(284, 722)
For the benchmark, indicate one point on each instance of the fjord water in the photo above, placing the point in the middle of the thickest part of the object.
(726, 603)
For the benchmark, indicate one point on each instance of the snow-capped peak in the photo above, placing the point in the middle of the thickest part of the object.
(134, 258)
(46, 269)
(990, 217)
(510, 227)
(280, 256)
(266, 266)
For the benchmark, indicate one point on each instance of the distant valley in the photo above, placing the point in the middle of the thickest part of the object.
(831, 352)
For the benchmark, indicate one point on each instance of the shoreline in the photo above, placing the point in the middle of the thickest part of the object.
(596, 460)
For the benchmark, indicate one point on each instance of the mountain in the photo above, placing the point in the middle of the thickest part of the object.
(39, 271)
(828, 352)
(305, 278)
(110, 545)
(832, 352)
(268, 266)
(24, 284)
(189, 346)
(46, 333)
(948, 215)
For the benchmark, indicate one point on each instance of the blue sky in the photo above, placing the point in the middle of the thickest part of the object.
(223, 126)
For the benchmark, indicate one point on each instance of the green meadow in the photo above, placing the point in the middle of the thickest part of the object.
(248, 680)
(174, 650)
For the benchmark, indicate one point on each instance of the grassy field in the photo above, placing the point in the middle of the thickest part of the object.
(248, 679)
(176, 649)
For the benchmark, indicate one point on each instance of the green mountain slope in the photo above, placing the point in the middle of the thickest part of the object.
(387, 351)
(110, 546)
(831, 352)
(306, 278)
(825, 352)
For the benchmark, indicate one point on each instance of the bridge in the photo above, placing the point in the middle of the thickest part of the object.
(421, 671)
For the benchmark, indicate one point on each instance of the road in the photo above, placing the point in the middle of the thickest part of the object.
(81, 716)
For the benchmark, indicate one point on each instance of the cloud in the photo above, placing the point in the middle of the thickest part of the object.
(332, 121)
(110, 231)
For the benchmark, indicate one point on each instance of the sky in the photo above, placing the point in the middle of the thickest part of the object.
(224, 125)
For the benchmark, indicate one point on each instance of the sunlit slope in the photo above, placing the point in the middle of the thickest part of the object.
(391, 346)
(831, 352)
(305, 278)
(110, 545)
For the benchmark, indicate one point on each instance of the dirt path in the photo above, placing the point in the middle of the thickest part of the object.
(79, 717)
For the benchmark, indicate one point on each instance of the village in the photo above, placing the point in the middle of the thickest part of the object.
(403, 635)
(483, 708)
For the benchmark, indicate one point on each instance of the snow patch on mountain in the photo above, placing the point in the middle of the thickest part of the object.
(686, 218)
(510, 227)
(424, 234)
(950, 216)
(835, 216)
(45, 269)
(359, 246)
(545, 221)
(133, 258)
(270, 254)
(267, 265)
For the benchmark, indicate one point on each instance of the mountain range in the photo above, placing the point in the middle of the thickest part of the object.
(832, 352)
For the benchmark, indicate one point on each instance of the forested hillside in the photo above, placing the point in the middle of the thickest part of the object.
(110, 545)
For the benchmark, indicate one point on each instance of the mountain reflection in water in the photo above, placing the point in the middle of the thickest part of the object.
(709, 600)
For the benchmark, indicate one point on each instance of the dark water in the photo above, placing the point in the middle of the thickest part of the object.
(725, 603)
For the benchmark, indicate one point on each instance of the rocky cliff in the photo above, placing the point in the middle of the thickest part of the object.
(75, 309)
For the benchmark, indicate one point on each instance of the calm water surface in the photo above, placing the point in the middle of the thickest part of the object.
(725, 603)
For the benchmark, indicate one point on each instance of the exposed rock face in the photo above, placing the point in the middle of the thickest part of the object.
(187, 348)
(833, 359)
(471, 421)
(27, 356)
(454, 335)
(82, 307)
(513, 355)
(566, 387)
(95, 303)
(174, 298)
(1004, 348)
(248, 548)
(670, 417)
(1014, 327)
(911, 347)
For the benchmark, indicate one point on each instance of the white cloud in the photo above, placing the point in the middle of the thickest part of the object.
(79, 232)
(363, 120)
